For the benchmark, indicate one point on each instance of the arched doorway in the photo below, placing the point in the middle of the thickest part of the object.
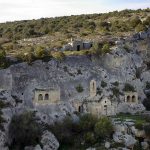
(40, 97)
(133, 99)
(78, 47)
(128, 99)
(46, 97)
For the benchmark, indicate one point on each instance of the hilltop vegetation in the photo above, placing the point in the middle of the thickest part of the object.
(28, 39)
(82, 25)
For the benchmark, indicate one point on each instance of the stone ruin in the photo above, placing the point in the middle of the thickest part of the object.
(46, 96)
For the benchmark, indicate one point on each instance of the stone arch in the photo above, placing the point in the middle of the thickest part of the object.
(133, 99)
(40, 97)
(93, 88)
(128, 98)
(46, 97)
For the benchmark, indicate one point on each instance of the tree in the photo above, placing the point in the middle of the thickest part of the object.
(128, 87)
(24, 131)
(105, 48)
(103, 128)
(87, 122)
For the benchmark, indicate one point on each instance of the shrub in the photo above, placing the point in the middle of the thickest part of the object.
(115, 91)
(40, 52)
(147, 85)
(115, 83)
(79, 88)
(2, 59)
(140, 27)
(128, 87)
(138, 73)
(87, 122)
(99, 91)
(65, 131)
(24, 131)
(105, 48)
(146, 103)
(103, 128)
(103, 84)
(139, 125)
(89, 138)
(59, 55)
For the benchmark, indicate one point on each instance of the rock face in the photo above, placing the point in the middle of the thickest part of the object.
(133, 109)
(3, 141)
(19, 82)
(49, 141)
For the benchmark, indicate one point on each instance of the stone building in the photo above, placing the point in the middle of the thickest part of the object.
(95, 104)
(77, 45)
(131, 97)
(46, 96)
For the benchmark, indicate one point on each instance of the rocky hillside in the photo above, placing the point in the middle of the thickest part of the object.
(126, 67)
(126, 64)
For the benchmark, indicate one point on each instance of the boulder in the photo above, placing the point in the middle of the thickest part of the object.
(143, 35)
(37, 147)
(107, 145)
(129, 140)
(2, 139)
(145, 145)
(49, 141)
(118, 137)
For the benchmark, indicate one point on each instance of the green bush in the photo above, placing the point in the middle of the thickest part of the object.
(128, 87)
(79, 88)
(59, 55)
(89, 138)
(40, 52)
(103, 128)
(139, 125)
(103, 84)
(87, 122)
(115, 91)
(24, 131)
(105, 48)
(147, 85)
(116, 83)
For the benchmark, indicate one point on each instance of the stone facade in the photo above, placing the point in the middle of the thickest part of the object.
(47, 96)
(131, 97)
(102, 107)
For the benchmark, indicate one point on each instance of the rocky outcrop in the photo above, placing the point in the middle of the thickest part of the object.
(49, 141)
(128, 108)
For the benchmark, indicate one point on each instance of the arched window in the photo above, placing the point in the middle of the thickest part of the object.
(93, 85)
(128, 98)
(133, 98)
(40, 97)
(46, 97)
